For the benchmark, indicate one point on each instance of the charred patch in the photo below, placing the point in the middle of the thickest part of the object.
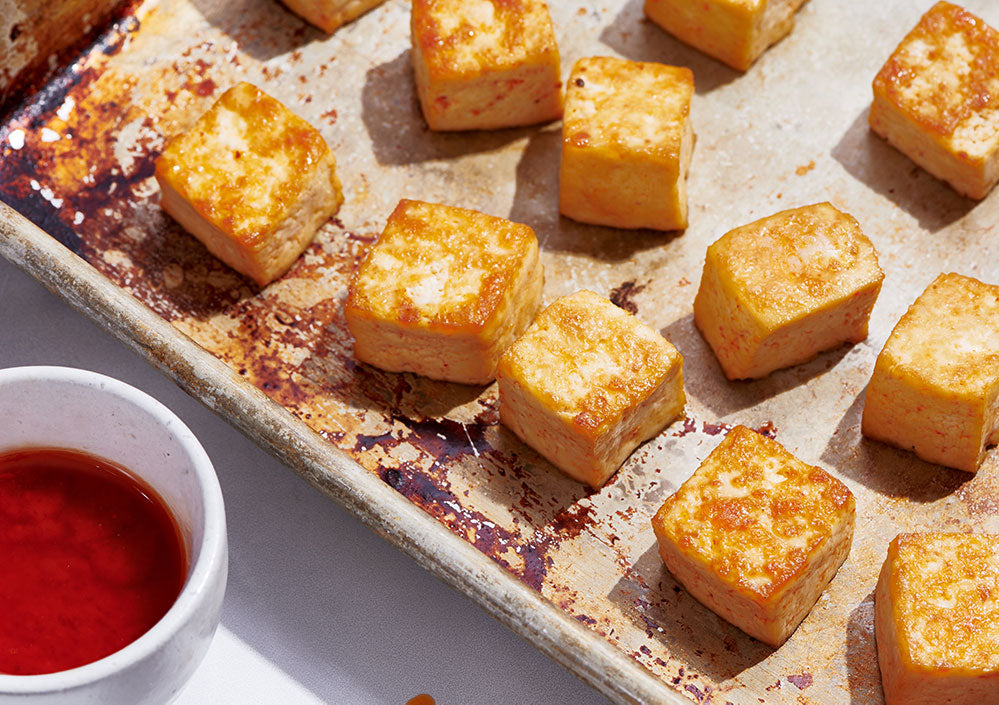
(571, 522)
(365, 443)
(698, 694)
(713, 429)
(623, 296)
(446, 439)
(689, 426)
(801, 680)
(37, 78)
(767, 429)
(432, 495)
(536, 565)
(394, 479)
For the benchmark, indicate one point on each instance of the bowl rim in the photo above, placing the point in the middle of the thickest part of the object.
(213, 548)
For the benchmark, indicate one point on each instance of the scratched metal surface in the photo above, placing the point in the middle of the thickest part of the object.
(77, 160)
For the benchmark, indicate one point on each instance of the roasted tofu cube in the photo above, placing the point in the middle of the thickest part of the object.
(252, 180)
(779, 291)
(587, 383)
(485, 64)
(735, 32)
(937, 620)
(935, 387)
(936, 99)
(626, 144)
(443, 292)
(328, 15)
(756, 534)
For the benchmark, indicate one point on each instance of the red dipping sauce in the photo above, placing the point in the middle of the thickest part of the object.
(90, 559)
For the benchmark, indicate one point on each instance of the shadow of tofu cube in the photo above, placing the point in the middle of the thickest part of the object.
(443, 292)
(626, 144)
(587, 383)
(937, 620)
(485, 64)
(735, 32)
(252, 180)
(329, 15)
(779, 291)
(755, 534)
(935, 386)
(936, 99)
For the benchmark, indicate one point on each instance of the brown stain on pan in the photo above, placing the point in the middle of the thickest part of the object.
(85, 171)
(623, 296)
(26, 171)
(449, 442)
(42, 33)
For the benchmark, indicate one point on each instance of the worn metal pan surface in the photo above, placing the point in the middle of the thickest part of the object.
(426, 464)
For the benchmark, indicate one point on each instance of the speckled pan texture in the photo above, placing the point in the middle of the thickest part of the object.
(573, 570)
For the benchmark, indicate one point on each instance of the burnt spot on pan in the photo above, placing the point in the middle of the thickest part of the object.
(58, 154)
(767, 429)
(699, 695)
(571, 522)
(623, 296)
(688, 426)
(524, 550)
(524, 556)
(83, 169)
(713, 429)
(801, 680)
(41, 71)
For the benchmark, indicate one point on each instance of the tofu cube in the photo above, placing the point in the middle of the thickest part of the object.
(443, 292)
(252, 180)
(485, 64)
(756, 535)
(779, 291)
(935, 387)
(587, 383)
(937, 620)
(936, 99)
(329, 15)
(626, 144)
(735, 32)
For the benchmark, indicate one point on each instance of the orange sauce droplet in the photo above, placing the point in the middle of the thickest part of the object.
(421, 699)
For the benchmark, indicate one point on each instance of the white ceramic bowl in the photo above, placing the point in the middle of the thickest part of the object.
(81, 410)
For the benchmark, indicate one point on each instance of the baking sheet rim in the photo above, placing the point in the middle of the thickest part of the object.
(390, 515)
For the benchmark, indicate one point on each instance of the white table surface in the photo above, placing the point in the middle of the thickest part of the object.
(318, 609)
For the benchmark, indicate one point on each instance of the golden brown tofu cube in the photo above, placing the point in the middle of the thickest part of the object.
(779, 291)
(935, 387)
(587, 383)
(937, 620)
(626, 144)
(936, 99)
(756, 535)
(735, 32)
(328, 15)
(443, 292)
(485, 64)
(252, 181)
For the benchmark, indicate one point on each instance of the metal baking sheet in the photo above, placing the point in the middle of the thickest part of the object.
(426, 464)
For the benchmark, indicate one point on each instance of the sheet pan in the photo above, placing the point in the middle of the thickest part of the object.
(426, 464)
